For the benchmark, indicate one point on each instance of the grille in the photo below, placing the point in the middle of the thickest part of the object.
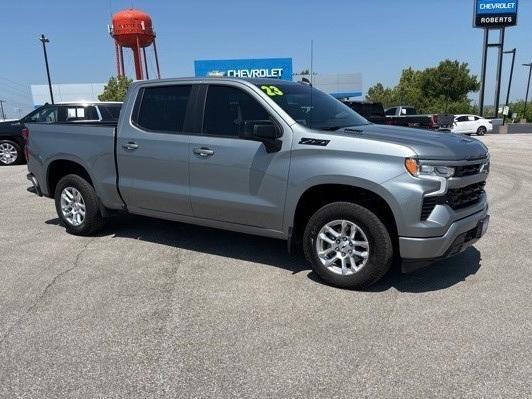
(456, 198)
(465, 196)
(428, 206)
(467, 170)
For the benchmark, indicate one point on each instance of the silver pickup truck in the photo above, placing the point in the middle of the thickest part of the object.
(273, 158)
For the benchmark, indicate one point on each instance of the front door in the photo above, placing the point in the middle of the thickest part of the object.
(234, 179)
(152, 151)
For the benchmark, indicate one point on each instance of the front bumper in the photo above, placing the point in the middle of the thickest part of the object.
(417, 252)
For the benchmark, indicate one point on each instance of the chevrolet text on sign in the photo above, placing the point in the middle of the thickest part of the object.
(495, 13)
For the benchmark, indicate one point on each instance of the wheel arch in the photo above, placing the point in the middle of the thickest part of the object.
(319, 195)
(59, 168)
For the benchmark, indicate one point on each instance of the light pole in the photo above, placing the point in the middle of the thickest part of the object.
(44, 40)
(2, 109)
(510, 82)
(527, 87)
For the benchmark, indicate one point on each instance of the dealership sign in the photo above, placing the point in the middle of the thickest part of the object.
(495, 13)
(276, 68)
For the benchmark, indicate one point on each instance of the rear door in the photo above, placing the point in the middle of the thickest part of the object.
(234, 179)
(152, 150)
(461, 124)
(470, 126)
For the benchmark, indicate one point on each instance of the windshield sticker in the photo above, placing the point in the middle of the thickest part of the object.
(272, 91)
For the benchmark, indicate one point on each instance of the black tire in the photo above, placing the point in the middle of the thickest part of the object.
(93, 220)
(481, 131)
(19, 157)
(380, 254)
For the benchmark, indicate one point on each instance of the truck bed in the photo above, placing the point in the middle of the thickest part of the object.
(90, 144)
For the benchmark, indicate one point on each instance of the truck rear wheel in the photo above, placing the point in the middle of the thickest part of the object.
(348, 245)
(77, 206)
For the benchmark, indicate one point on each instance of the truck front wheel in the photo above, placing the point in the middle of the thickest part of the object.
(76, 204)
(348, 245)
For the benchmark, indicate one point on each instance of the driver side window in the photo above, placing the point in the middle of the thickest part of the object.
(45, 115)
(231, 112)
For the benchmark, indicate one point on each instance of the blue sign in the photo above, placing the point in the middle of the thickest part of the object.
(277, 68)
(495, 13)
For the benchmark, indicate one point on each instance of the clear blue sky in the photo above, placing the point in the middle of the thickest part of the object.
(375, 37)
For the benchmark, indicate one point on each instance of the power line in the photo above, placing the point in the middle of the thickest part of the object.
(13, 88)
(12, 81)
(10, 91)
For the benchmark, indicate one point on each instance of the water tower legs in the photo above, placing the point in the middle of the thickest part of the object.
(156, 59)
(137, 56)
(122, 68)
(118, 64)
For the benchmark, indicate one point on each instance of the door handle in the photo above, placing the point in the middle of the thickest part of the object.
(203, 152)
(130, 146)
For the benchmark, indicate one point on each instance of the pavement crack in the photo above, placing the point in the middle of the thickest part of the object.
(45, 291)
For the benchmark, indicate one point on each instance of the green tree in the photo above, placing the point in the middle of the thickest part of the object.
(443, 88)
(115, 89)
(380, 94)
(518, 107)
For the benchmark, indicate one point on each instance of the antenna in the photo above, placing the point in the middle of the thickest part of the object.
(311, 60)
(311, 79)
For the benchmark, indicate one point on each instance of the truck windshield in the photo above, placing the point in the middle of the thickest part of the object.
(312, 107)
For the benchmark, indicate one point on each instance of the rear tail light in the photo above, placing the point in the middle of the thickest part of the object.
(26, 136)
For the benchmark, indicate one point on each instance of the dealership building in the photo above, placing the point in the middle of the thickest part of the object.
(338, 85)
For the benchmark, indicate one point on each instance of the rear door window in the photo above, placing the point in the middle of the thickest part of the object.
(162, 108)
(110, 112)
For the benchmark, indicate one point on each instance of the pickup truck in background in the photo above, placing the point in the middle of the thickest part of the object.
(408, 117)
(273, 158)
(12, 132)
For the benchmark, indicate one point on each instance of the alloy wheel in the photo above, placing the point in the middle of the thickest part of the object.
(8, 153)
(342, 247)
(72, 206)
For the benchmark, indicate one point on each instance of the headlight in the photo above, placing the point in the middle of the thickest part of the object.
(415, 168)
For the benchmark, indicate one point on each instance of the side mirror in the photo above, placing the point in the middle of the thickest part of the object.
(267, 133)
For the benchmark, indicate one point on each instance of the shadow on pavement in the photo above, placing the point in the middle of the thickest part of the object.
(440, 275)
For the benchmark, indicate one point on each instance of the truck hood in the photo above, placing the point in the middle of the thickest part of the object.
(427, 144)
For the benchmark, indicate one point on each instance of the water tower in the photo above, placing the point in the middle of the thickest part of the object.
(133, 29)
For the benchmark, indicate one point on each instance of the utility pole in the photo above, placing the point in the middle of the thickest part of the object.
(2, 109)
(510, 81)
(500, 48)
(511, 73)
(483, 73)
(527, 87)
(44, 40)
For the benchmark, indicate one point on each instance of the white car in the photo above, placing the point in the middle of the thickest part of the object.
(471, 124)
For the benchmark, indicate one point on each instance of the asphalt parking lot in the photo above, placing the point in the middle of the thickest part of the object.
(152, 308)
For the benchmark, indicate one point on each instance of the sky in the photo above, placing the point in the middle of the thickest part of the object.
(375, 37)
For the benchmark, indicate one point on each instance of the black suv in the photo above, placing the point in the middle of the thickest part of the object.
(11, 132)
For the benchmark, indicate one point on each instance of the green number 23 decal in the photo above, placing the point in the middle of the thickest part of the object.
(272, 91)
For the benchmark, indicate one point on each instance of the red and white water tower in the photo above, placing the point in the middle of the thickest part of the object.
(133, 29)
